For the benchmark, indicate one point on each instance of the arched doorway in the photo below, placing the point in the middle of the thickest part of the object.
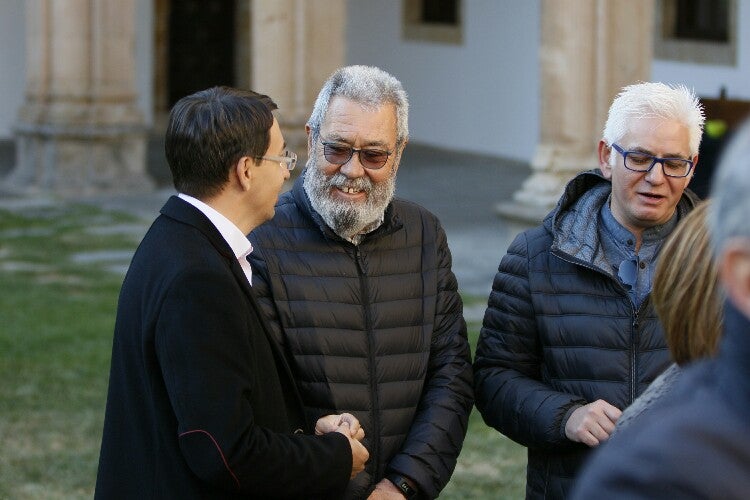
(198, 44)
(201, 46)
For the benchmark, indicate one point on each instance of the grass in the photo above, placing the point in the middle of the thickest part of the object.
(60, 274)
(57, 319)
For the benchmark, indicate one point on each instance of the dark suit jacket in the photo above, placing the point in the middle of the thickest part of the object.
(201, 404)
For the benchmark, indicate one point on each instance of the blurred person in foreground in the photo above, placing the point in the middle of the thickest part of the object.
(361, 292)
(695, 442)
(201, 403)
(689, 303)
(570, 337)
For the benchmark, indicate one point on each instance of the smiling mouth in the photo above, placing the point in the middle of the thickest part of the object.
(652, 196)
(349, 190)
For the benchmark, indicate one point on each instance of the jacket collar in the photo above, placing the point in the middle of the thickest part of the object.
(186, 213)
(182, 211)
(391, 220)
(574, 221)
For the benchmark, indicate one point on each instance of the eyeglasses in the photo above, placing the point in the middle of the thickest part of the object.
(339, 154)
(289, 159)
(637, 161)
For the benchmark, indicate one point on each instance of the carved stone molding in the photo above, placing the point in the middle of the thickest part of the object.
(79, 130)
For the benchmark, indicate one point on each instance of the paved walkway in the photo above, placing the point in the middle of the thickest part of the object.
(461, 189)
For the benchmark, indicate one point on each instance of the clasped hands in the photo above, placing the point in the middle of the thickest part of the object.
(348, 425)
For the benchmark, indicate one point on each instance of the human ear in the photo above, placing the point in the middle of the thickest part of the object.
(734, 270)
(605, 153)
(243, 172)
(399, 151)
(308, 131)
(692, 172)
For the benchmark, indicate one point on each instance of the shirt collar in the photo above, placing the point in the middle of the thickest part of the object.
(357, 238)
(236, 239)
(649, 235)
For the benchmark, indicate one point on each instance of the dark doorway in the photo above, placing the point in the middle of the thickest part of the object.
(201, 46)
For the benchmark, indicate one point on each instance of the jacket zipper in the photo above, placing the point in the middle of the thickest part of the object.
(633, 357)
(633, 324)
(636, 341)
(371, 362)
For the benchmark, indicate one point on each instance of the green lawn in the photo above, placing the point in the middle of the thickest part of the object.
(60, 273)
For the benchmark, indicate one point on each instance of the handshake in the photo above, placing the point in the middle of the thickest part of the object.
(348, 425)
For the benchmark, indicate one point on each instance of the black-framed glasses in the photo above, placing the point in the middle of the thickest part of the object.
(340, 154)
(638, 161)
(289, 159)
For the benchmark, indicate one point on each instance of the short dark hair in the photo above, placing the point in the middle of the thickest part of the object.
(209, 131)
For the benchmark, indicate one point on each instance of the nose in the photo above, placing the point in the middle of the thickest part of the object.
(656, 174)
(353, 168)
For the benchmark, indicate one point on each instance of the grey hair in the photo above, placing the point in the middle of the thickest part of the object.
(730, 210)
(369, 86)
(655, 99)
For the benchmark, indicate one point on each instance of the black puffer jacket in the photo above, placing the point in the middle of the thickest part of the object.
(375, 330)
(560, 331)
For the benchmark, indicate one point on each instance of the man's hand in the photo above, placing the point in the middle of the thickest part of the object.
(593, 423)
(332, 423)
(360, 455)
(386, 490)
(348, 425)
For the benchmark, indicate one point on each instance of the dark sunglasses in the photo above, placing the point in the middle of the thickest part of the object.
(340, 154)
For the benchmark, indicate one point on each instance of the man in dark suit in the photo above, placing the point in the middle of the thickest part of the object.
(201, 403)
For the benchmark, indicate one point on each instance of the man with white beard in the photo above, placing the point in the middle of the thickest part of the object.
(359, 289)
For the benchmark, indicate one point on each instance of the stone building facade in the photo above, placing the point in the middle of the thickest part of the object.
(79, 130)
(83, 125)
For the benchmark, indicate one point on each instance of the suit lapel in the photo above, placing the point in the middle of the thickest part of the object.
(282, 361)
(186, 213)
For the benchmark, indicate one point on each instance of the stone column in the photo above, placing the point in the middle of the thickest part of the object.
(79, 130)
(590, 49)
(297, 44)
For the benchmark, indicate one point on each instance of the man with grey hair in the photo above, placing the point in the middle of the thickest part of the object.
(360, 292)
(696, 443)
(569, 338)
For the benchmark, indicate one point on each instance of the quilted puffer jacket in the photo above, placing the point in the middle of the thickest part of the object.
(374, 329)
(560, 331)
(694, 443)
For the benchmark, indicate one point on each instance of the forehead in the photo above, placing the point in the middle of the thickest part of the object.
(352, 122)
(657, 135)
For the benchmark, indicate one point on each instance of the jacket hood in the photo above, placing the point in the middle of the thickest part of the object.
(574, 190)
(574, 220)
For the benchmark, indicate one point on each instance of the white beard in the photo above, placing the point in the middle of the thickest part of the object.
(347, 218)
